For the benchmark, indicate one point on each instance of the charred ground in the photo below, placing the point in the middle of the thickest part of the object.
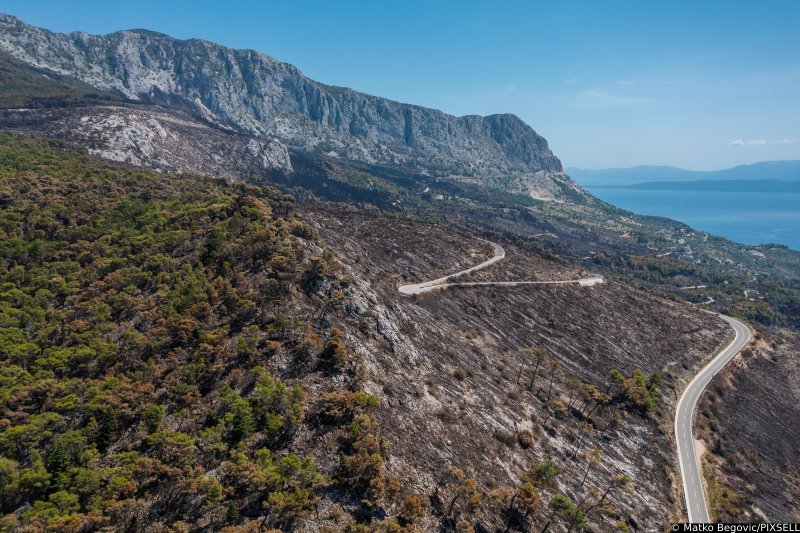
(184, 352)
(751, 428)
(457, 380)
(404, 400)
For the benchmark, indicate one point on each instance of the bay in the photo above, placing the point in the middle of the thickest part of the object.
(746, 217)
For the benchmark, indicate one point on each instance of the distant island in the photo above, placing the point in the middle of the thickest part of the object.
(768, 185)
(753, 204)
(765, 170)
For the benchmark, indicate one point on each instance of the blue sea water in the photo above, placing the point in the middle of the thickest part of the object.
(746, 217)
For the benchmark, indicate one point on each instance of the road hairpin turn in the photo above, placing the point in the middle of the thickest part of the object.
(691, 470)
(499, 253)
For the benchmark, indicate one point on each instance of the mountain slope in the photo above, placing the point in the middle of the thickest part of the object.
(152, 136)
(23, 84)
(255, 94)
(167, 132)
(179, 352)
(750, 425)
(190, 289)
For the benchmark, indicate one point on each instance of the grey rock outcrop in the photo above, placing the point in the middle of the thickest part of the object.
(155, 137)
(253, 94)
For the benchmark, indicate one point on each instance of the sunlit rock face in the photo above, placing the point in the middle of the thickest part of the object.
(253, 94)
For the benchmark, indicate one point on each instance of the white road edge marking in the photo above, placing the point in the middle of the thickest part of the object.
(742, 337)
(499, 253)
(691, 470)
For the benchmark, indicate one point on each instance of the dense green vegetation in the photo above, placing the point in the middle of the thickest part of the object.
(638, 392)
(146, 321)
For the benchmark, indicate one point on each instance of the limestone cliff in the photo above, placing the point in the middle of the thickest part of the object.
(253, 94)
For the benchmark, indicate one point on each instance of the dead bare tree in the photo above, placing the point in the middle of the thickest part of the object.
(536, 356)
(553, 364)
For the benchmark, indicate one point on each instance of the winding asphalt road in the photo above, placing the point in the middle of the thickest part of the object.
(691, 470)
(499, 253)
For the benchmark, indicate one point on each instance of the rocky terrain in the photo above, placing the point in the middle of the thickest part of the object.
(252, 93)
(192, 353)
(154, 137)
(475, 389)
(452, 385)
(307, 137)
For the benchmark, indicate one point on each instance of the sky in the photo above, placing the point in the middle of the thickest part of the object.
(696, 84)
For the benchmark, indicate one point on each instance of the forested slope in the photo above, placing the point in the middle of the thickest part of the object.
(148, 328)
(180, 352)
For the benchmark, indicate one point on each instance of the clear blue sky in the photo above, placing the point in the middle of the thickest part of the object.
(697, 84)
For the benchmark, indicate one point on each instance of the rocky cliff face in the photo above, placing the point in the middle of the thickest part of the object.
(251, 93)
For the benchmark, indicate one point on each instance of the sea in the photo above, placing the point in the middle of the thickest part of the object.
(746, 217)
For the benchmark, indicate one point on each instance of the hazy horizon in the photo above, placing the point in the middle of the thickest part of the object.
(678, 167)
(609, 85)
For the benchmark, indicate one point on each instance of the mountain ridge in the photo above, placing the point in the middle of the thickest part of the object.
(252, 93)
